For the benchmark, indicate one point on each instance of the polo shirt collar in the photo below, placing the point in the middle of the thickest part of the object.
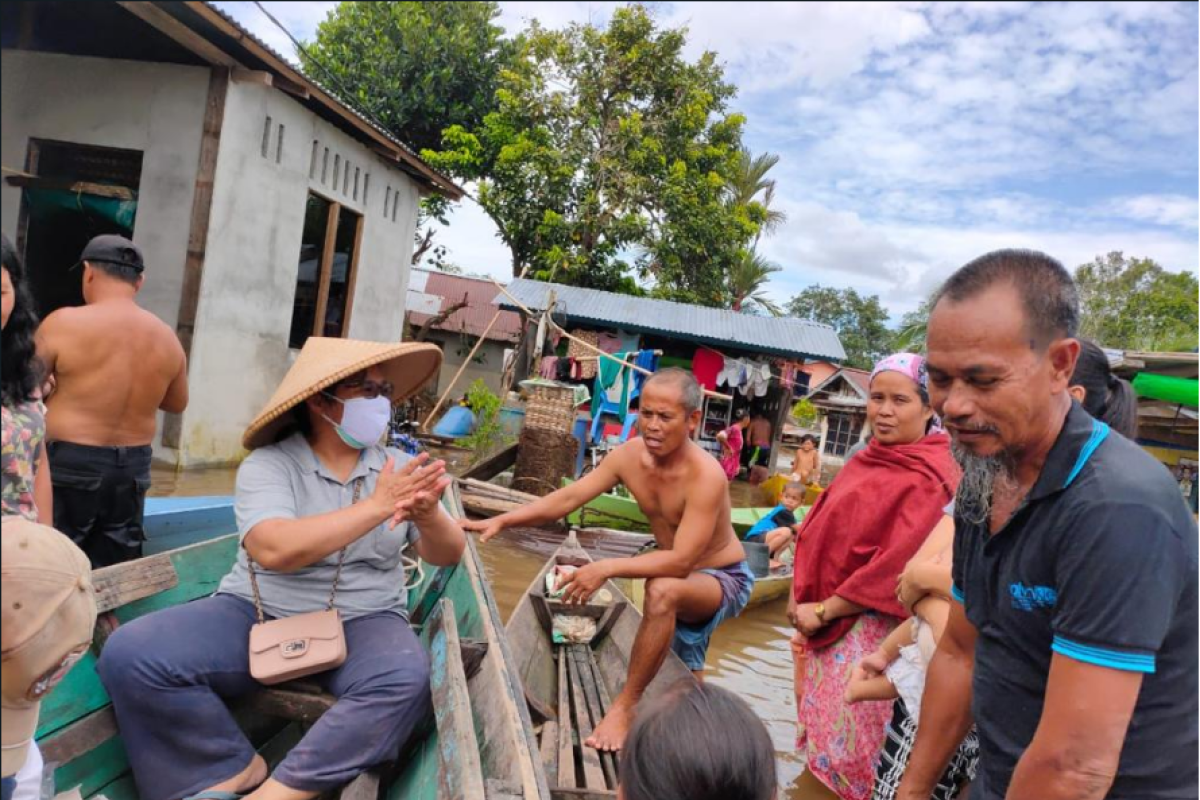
(297, 448)
(1081, 434)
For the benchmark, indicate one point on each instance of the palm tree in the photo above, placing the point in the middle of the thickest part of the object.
(747, 280)
(750, 181)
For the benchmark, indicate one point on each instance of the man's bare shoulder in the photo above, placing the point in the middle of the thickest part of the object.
(706, 470)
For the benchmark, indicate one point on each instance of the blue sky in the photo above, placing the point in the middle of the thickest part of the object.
(916, 136)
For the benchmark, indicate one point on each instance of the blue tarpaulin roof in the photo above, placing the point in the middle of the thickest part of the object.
(787, 337)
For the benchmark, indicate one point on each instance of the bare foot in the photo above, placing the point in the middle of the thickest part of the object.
(856, 686)
(775, 564)
(610, 733)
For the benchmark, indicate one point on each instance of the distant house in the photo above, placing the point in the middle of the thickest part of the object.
(430, 293)
(723, 345)
(268, 210)
(842, 402)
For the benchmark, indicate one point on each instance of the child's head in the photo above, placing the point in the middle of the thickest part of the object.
(701, 742)
(807, 443)
(793, 495)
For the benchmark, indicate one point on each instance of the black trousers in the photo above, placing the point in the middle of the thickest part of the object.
(99, 498)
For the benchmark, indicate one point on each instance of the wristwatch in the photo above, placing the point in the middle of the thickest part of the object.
(819, 610)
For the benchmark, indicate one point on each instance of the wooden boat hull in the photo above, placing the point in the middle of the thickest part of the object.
(541, 667)
(482, 735)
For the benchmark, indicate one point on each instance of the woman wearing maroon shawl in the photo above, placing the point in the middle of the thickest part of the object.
(852, 546)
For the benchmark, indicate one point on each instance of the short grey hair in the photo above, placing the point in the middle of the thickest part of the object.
(1048, 293)
(691, 396)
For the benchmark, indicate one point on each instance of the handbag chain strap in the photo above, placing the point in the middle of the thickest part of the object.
(337, 576)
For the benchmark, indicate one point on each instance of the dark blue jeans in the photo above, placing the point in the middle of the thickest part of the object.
(169, 674)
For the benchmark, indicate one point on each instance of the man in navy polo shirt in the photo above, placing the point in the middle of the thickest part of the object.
(1073, 646)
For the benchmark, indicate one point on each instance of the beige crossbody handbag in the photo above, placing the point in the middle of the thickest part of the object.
(293, 647)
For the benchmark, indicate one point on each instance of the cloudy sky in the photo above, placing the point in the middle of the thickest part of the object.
(915, 136)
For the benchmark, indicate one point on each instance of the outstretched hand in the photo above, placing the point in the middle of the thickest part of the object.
(487, 527)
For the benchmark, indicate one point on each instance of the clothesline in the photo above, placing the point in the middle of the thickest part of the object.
(627, 356)
(599, 353)
(791, 384)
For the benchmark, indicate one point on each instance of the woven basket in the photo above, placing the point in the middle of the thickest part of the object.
(550, 408)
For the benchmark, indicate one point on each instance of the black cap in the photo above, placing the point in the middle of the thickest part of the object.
(112, 249)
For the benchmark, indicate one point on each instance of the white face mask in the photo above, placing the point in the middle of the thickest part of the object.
(364, 420)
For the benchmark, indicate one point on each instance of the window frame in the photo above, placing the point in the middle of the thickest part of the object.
(325, 268)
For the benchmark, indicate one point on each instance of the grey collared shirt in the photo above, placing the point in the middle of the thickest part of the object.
(287, 481)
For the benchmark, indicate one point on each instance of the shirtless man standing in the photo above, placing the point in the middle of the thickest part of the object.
(114, 365)
(698, 576)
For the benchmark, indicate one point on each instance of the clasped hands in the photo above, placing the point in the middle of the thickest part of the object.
(411, 492)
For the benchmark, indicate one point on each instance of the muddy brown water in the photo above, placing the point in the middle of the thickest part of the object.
(749, 655)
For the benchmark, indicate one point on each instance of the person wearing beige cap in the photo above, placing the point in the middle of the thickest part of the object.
(49, 613)
(324, 512)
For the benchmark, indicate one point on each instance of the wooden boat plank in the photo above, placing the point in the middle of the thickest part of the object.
(566, 748)
(80, 692)
(121, 584)
(494, 464)
(604, 703)
(79, 737)
(291, 705)
(460, 773)
(593, 774)
(582, 657)
(549, 747)
(582, 794)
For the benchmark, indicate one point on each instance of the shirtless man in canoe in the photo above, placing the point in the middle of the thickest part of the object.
(698, 576)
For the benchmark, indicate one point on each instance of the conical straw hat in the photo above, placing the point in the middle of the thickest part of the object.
(325, 361)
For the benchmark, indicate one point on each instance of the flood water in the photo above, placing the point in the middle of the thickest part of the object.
(749, 655)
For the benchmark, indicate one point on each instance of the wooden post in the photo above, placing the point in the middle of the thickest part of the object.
(202, 196)
(449, 388)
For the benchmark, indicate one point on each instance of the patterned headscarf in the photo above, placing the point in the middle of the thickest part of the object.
(909, 364)
(913, 366)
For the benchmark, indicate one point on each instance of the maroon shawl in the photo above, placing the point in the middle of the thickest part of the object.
(867, 525)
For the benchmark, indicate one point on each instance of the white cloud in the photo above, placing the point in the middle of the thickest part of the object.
(916, 136)
(1169, 210)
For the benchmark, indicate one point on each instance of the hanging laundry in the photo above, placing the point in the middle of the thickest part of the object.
(562, 369)
(577, 350)
(611, 392)
(630, 342)
(706, 365)
(733, 374)
(647, 360)
(608, 342)
(758, 379)
(548, 369)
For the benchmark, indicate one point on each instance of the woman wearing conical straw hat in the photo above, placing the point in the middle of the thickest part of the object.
(324, 512)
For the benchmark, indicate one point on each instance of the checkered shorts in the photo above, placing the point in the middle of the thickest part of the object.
(893, 759)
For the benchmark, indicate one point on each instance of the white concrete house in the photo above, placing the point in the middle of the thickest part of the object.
(267, 209)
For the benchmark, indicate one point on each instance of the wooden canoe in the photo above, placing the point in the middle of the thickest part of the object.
(478, 744)
(569, 687)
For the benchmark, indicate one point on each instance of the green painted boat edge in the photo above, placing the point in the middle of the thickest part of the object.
(104, 769)
(623, 514)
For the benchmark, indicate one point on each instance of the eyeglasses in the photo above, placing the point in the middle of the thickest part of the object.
(370, 389)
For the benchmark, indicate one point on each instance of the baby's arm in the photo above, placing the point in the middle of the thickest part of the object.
(868, 682)
(936, 612)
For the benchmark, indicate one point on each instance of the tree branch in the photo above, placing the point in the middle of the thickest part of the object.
(439, 318)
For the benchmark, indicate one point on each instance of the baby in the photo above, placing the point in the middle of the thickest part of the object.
(776, 528)
(897, 668)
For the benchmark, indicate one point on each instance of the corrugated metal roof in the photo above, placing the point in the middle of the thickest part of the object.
(475, 317)
(336, 95)
(787, 337)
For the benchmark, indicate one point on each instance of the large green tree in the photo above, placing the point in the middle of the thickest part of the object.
(860, 321)
(609, 156)
(1135, 304)
(416, 68)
